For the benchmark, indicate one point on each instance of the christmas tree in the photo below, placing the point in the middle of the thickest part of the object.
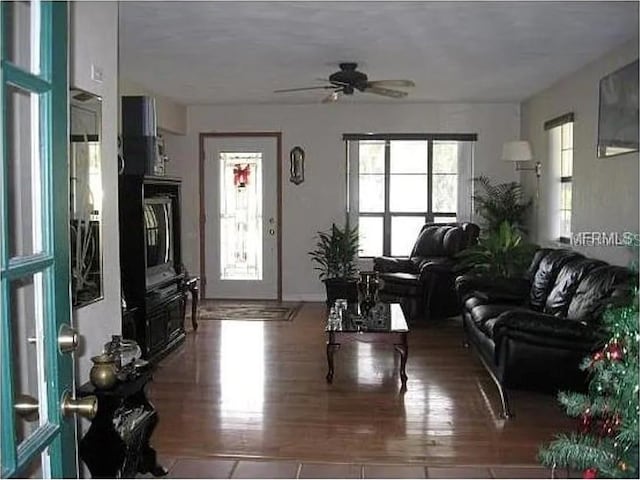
(605, 444)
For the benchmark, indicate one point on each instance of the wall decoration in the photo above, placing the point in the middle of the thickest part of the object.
(618, 112)
(296, 169)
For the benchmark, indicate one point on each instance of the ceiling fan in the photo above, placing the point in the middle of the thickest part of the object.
(347, 80)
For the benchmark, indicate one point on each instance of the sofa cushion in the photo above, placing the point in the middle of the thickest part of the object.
(484, 313)
(566, 284)
(602, 286)
(545, 276)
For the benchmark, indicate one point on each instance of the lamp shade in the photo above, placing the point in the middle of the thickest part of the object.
(518, 151)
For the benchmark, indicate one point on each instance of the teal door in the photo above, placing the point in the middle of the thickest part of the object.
(36, 342)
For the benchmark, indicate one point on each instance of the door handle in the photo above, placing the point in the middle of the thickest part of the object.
(68, 339)
(26, 407)
(86, 407)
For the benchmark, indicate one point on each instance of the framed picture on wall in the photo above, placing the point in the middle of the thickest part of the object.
(618, 112)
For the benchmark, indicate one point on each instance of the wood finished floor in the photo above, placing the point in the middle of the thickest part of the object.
(258, 390)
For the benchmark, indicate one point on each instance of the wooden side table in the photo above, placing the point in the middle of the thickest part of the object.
(193, 285)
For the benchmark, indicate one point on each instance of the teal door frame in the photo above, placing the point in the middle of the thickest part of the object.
(58, 433)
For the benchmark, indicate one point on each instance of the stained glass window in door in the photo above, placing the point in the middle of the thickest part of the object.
(241, 216)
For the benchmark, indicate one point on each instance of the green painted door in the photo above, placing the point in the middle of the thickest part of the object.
(38, 439)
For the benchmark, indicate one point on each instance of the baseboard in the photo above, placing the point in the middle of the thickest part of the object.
(304, 297)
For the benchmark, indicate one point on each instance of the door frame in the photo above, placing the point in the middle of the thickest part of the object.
(203, 136)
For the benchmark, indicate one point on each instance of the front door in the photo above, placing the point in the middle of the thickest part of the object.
(240, 199)
(37, 439)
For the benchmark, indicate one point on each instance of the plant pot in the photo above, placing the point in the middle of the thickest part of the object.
(341, 288)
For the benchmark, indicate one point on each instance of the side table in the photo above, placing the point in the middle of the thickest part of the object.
(193, 285)
(117, 443)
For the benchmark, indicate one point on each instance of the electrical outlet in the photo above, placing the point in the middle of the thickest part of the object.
(97, 74)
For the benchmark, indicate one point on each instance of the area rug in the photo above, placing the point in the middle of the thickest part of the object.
(253, 311)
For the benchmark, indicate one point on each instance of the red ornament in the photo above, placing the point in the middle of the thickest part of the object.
(584, 423)
(590, 473)
(614, 351)
(598, 356)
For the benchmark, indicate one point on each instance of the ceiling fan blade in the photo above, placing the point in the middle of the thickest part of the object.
(387, 92)
(332, 97)
(324, 87)
(391, 83)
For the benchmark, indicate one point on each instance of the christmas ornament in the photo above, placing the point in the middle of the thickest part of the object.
(614, 351)
(622, 466)
(590, 473)
(598, 356)
(584, 422)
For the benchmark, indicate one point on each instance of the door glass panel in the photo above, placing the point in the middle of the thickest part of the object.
(371, 194)
(370, 235)
(408, 193)
(409, 156)
(445, 193)
(39, 467)
(26, 316)
(404, 232)
(22, 34)
(241, 216)
(23, 171)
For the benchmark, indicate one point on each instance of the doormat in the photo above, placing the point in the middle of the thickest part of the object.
(251, 311)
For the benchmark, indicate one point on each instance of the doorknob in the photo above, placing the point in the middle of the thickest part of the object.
(86, 407)
(26, 407)
(67, 338)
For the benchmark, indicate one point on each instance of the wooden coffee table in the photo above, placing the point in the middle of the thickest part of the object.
(387, 326)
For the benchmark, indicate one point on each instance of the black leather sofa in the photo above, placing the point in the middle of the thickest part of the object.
(424, 281)
(533, 333)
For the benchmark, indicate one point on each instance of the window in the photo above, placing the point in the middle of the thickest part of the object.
(399, 182)
(560, 133)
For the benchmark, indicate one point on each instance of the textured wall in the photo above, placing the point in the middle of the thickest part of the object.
(605, 190)
(317, 202)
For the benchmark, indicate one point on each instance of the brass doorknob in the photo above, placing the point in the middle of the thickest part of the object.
(26, 407)
(86, 407)
(67, 338)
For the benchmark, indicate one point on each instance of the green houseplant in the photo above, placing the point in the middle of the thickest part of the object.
(335, 257)
(501, 253)
(504, 202)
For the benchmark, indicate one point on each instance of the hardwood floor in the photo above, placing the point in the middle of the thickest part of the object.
(258, 390)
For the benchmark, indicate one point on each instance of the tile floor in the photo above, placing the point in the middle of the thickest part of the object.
(261, 468)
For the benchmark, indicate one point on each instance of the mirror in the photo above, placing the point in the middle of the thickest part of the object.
(85, 187)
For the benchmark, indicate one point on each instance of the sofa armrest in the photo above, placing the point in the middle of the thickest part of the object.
(393, 265)
(512, 290)
(546, 330)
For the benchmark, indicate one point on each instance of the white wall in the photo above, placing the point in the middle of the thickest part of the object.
(94, 40)
(313, 205)
(605, 190)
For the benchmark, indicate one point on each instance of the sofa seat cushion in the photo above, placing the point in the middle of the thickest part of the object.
(407, 284)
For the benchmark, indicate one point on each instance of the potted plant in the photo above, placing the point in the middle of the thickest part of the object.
(504, 202)
(335, 255)
(500, 254)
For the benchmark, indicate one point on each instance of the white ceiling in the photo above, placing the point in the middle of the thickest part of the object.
(239, 52)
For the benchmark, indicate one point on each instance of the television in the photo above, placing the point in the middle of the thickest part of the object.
(159, 239)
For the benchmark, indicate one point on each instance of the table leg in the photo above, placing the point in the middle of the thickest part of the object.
(194, 306)
(331, 348)
(403, 349)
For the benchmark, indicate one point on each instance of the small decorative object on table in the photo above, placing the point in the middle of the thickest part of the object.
(368, 286)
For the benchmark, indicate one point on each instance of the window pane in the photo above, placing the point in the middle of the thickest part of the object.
(445, 193)
(22, 25)
(370, 231)
(404, 231)
(371, 193)
(241, 216)
(566, 163)
(565, 223)
(567, 135)
(565, 196)
(409, 156)
(445, 219)
(371, 157)
(445, 157)
(408, 193)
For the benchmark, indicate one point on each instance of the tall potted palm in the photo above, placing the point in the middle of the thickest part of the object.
(335, 257)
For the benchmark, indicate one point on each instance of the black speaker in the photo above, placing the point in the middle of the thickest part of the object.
(139, 154)
(139, 116)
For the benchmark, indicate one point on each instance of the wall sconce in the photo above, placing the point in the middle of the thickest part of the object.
(296, 167)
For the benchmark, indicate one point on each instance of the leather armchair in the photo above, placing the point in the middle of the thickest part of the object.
(428, 273)
(532, 333)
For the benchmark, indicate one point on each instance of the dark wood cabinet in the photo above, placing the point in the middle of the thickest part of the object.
(155, 294)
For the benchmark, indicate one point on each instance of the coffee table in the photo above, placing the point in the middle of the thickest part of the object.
(385, 324)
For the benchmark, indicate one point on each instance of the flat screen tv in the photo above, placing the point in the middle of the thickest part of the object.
(159, 239)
